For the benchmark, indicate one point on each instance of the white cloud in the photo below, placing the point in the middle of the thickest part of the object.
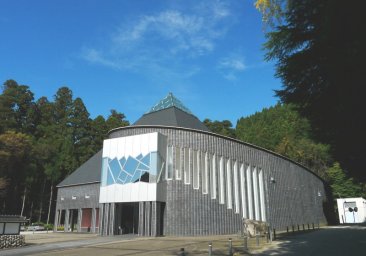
(237, 64)
(163, 41)
(182, 32)
(231, 66)
(96, 57)
(220, 9)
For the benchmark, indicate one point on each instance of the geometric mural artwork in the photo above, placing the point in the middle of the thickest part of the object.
(131, 169)
(128, 170)
(132, 163)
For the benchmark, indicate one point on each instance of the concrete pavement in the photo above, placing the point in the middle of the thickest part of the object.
(41, 242)
(336, 240)
(89, 244)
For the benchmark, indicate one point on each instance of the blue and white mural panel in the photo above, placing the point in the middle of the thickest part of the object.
(131, 168)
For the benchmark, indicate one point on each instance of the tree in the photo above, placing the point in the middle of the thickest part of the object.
(319, 49)
(3, 186)
(81, 130)
(99, 132)
(272, 10)
(63, 131)
(342, 186)
(270, 126)
(15, 166)
(282, 130)
(41, 142)
(16, 108)
(307, 152)
(116, 119)
(224, 127)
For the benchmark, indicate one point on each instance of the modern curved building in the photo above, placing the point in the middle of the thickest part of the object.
(167, 174)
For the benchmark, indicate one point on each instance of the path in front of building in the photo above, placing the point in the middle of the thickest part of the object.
(40, 242)
(88, 245)
(337, 240)
(334, 240)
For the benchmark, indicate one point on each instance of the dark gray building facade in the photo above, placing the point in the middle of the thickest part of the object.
(168, 175)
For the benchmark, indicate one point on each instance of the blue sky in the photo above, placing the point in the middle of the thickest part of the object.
(127, 55)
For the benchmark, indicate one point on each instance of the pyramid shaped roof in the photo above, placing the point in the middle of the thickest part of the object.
(171, 112)
(167, 102)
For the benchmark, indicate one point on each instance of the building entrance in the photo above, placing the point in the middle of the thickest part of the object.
(73, 220)
(127, 218)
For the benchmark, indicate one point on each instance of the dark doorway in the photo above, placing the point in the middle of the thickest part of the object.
(161, 220)
(73, 219)
(127, 218)
(62, 217)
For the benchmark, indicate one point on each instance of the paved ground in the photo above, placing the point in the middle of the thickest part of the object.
(41, 242)
(44, 237)
(338, 240)
(87, 244)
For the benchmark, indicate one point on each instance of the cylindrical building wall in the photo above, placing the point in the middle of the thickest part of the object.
(213, 182)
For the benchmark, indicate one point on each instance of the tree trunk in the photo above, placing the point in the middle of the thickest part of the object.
(31, 212)
(41, 203)
(25, 191)
(50, 203)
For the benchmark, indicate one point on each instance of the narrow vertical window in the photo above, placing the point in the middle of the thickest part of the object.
(244, 203)
(205, 172)
(196, 169)
(182, 170)
(187, 166)
(178, 168)
(213, 176)
(181, 163)
(236, 188)
(249, 192)
(256, 193)
(222, 181)
(169, 166)
(229, 184)
(262, 195)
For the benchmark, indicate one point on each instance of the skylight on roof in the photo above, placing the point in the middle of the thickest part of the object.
(167, 102)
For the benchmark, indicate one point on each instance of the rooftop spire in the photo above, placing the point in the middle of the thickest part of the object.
(167, 102)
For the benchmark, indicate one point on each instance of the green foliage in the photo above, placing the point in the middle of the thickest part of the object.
(224, 127)
(314, 155)
(342, 186)
(46, 226)
(272, 10)
(16, 164)
(270, 126)
(282, 130)
(41, 142)
(320, 49)
(115, 120)
(3, 187)
(16, 108)
(15, 152)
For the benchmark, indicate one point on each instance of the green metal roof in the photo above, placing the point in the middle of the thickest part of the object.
(167, 102)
